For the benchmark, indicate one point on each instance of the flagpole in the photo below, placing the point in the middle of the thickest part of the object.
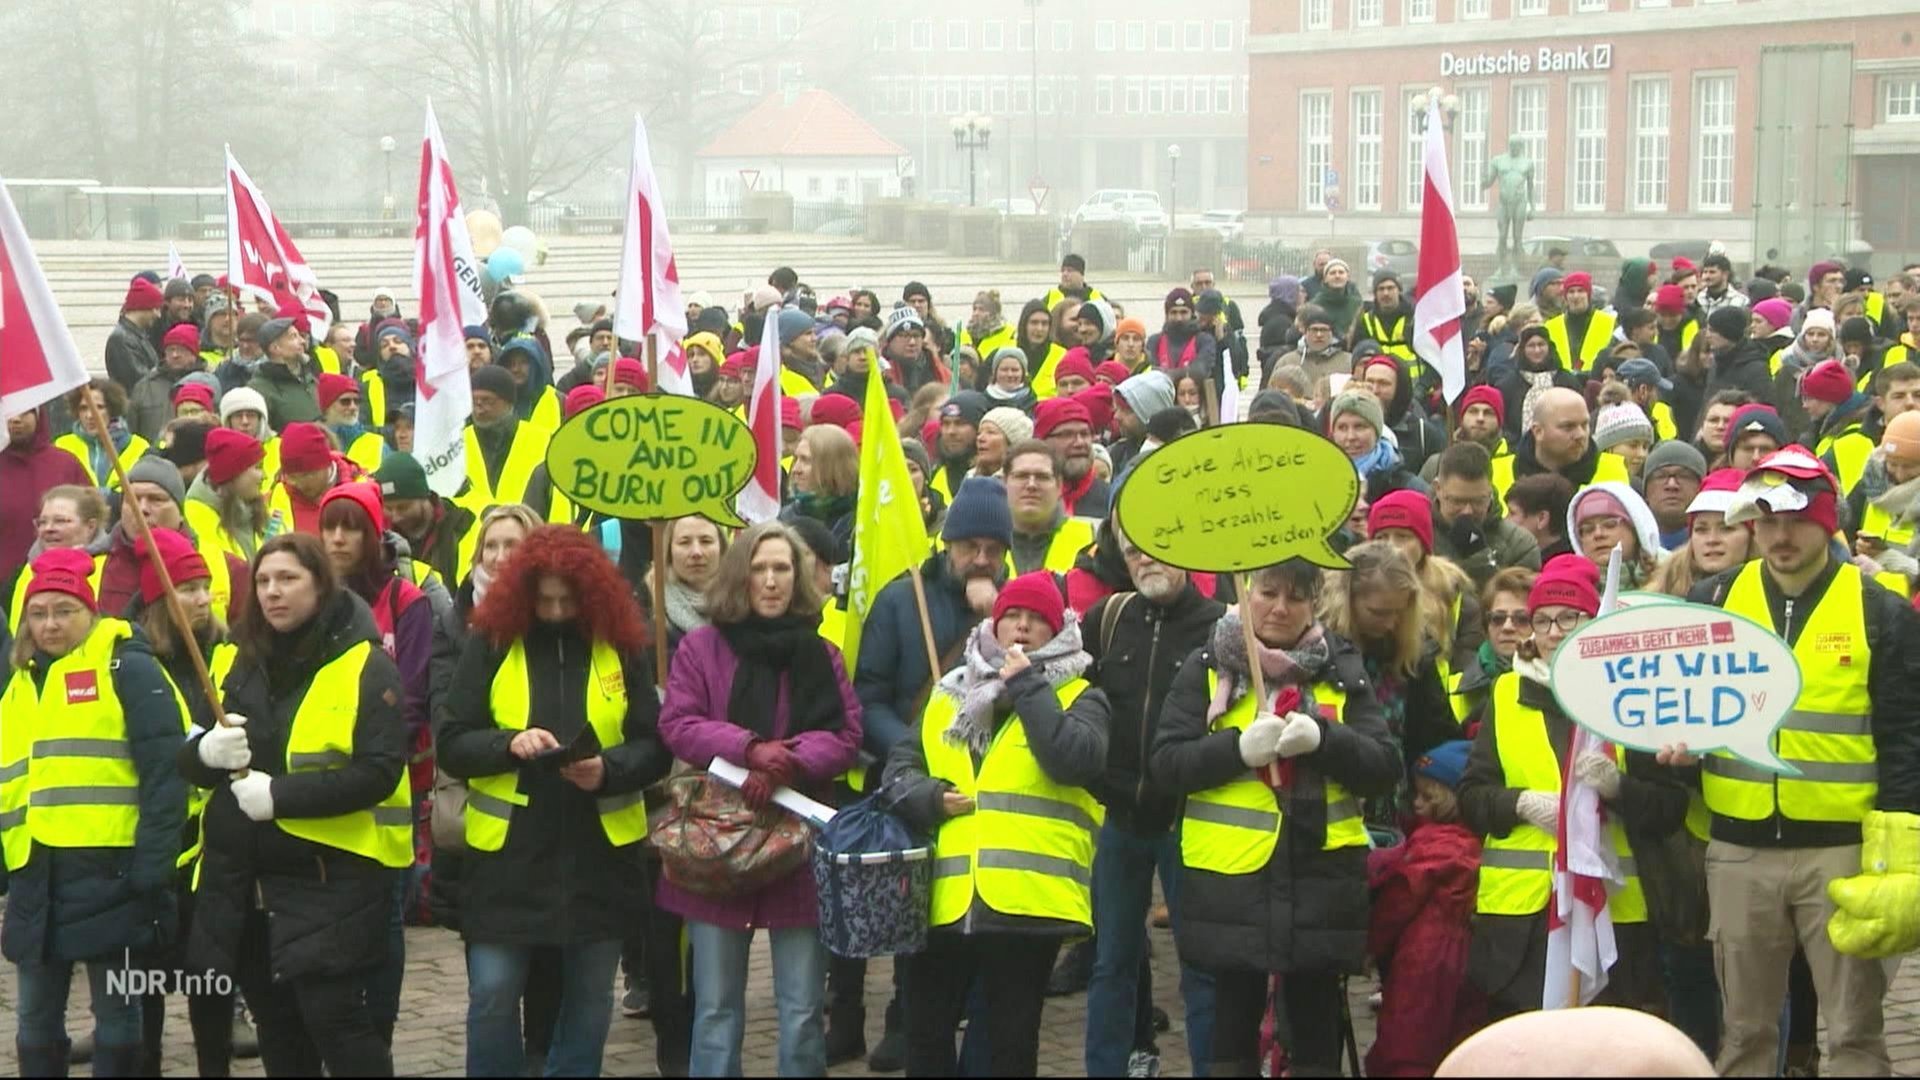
(661, 556)
(926, 626)
(1245, 582)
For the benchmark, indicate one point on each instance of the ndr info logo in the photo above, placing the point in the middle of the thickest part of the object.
(128, 981)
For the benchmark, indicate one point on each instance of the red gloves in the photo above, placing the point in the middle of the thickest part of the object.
(773, 759)
(757, 790)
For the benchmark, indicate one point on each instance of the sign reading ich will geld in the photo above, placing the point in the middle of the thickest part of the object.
(1650, 676)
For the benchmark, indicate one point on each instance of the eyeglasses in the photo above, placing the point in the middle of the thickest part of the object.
(1566, 622)
(1593, 525)
(1670, 476)
(1506, 618)
(1031, 479)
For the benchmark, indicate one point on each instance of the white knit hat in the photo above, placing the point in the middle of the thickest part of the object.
(1621, 423)
(1014, 424)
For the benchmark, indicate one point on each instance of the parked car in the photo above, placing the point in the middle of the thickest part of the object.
(1400, 256)
(1145, 215)
(1577, 247)
(1230, 224)
(1014, 207)
(1104, 204)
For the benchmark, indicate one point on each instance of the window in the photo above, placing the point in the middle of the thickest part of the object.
(1652, 120)
(1202, 100)
(1223, 94)
(786, 24)
(790, 77)
(1022, 98)
(1713, 148)
(1156, 94)
(953, 96)
(886, 35)
(1413, 159)
(903, 94)
(1023, 37)
(1590, 5)
(1045, 91)
(1476, 9)
(1368, 12)
(1316, 147)
(1193, 35)
(930, 98)
(1527, 122)
(976, 94)
(1136, 35)
(1163, 35)
(957, 34)
(997, 95)
(1419, 11)
(1136, 94)
(1317, 14)
(286, 20)
(993, 35)
(1364, 165)
(922, 32)
(749, 79)
(1222, 35)
(1177, 95)
(1104, 35)
(1062, 36)
(746, 24)
(1103, 94)
(1587, 108)
(1900, 98)
(1529, 7)
(320, 16)
(1653, 3)
(1471, 127)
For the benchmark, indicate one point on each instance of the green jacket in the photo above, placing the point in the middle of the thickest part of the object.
(290, 398)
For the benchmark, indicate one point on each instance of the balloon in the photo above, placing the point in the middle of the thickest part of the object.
(484, 228)
(521, 239)
(505, 263)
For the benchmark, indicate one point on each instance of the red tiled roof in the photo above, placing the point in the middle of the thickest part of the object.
(816, 124)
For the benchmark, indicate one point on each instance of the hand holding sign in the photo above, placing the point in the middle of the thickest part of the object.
(1658, 676)
(653, 457)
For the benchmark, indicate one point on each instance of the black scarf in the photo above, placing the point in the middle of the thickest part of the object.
(789, 645)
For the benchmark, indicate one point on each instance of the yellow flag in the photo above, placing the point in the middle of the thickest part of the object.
(889, 535)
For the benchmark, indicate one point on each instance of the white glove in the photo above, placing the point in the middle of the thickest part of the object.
(1598, 772)
(1260, 740)
(1539, 809)
(1300, 736)
(254, 793)
(225, 747)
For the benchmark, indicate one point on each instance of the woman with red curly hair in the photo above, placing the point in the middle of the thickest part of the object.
(551, 721)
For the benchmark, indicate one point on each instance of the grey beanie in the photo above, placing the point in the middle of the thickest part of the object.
(1362, 403)
(1148, 394)
(1675, 452)
(156, 470)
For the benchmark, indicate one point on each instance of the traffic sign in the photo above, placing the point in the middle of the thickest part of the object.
(1333, 201)
(1331, 178)
(1037, 187)
(748, 178)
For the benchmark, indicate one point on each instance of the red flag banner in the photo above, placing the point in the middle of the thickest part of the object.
(262, 258)
(1442, 300)
(38, 359)
(648, 302)
(447, 279)
(760, 499)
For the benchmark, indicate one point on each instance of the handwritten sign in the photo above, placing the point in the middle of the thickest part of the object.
(1240, 497)
(1655, 674)
(652, 457)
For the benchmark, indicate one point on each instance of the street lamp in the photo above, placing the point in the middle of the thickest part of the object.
(1173, 195)
(386, 149)
(972, 133)
(1449, 108)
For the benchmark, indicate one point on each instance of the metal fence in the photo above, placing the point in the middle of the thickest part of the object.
(1264, 260)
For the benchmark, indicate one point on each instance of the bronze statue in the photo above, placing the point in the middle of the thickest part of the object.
(1513, 171)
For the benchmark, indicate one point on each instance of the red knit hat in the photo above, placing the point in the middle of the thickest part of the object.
(584, 396)
(334, 387)
(143, 295)
(1098, 401)
(1053, 412)
(1683, 265)
(738, 366)
(1829, 381)
(1404, 509)
(230, 453)
(1670, 299)
(1113, 371)
(837, 409)
(186, 335)
(630, 372)
(1036, 592)
(1488, 396)
(1579, 279)
(303, 448)
(1570, 580)
(193, 391)
(64, 570)
(790, 413)
(1077, 362)
(183, 563)
(364, 495)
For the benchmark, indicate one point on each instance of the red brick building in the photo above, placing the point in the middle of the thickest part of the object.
(1788, 127)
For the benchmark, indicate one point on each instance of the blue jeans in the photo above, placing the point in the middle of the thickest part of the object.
(496, 982)
(1124, 863)
(41, 1012)
(720, 999)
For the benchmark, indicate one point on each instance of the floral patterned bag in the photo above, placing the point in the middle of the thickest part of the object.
(713, 844)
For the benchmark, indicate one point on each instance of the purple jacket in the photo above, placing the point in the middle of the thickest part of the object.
(695, 726)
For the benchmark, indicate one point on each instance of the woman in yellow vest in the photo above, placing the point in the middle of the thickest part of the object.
(1503, 612)
(1510, 795)
(71, 517)
(226, 506)
(104, 396)
(551, 721)
(209, 1008)
(1271, 839)
(309, 822)
(760, 688)
(986, 329)
(997, 772)
(90, 816)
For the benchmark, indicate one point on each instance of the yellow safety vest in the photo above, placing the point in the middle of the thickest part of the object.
(17, 609)
(1054, 296)
(1027, 848)
(137, 448)
(1461, 704)
(1877, 522)
(328, 360)
(1599, 337)
(1391, 337)
(269, 464)
(1442, 662)
(1846, 452)
(1234, 828)
(795, 385)
(546, 411)
(528, 450)
(992, 343)
(213, 539)
(1608, 466)
(67, 778)
(491, 799)
(1516, 870)
(367, 451)
(322, 738)
(219, 665)
(1829, 734)
(1876, 307)
(280, 517)
(1074, 536)
(373, 397)
(1042, 380)
(1663, 426)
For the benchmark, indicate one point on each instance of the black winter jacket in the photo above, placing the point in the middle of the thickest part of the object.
(89, 903)
(1893, 685)
(1306, 910)
(557, 880)
(891, 673)
(1136, 667)
(131, 355)
(329, 909)
(1743, 367)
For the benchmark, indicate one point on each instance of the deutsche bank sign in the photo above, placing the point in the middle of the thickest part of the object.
(1547, 61)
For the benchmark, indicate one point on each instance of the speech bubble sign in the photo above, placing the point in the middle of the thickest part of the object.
(652, 457)
(1240, 497)
(1655, 674)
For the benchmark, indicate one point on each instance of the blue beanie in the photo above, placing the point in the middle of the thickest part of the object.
(979, 512)
(793, 322)
(1444, 763)
(477, 331)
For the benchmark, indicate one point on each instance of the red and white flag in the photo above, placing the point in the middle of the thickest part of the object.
(38, 360)
(176, 266)
(1442, 299)
(760, 499)
(447, 279)
(648, 304)
(261, 258)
